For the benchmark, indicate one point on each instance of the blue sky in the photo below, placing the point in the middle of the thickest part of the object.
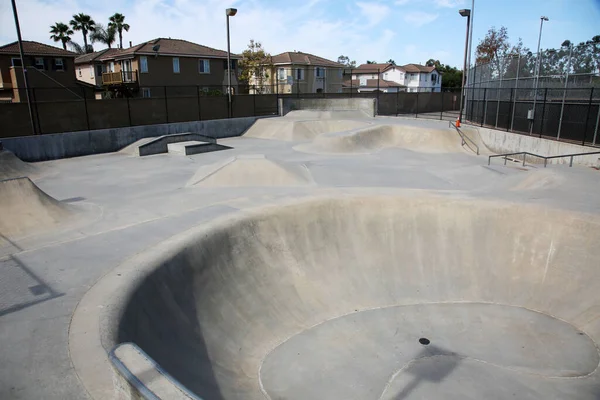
(406, 31)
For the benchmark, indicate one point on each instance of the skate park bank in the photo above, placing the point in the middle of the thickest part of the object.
(326, 253)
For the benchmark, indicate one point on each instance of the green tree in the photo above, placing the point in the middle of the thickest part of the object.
(346, 62)
(390, 61)
(61, 33)
(84, 23)
(371, 62)
(79, 49)
(105, 35)
(117, 22)
(451, 76)
(256, 66)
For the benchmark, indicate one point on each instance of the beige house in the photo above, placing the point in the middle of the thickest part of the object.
(297, 72)
(50, 72)
(152, 68)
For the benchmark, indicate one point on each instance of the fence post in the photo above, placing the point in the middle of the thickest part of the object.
(442, 112)
(417, 107)
(543, 112)
(198, 101)
(508, 123)
(484, 106)
(587, 117)
(472, 103)
(87, 117)
(351, 88)
(595, 130)
(129, 112)
(254, 102)
(37, 113)
(378, 87)
(166, 105)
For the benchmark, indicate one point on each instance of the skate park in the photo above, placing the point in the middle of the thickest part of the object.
(323, 253)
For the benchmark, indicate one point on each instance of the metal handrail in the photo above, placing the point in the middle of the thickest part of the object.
(463, 136)
(546, 158)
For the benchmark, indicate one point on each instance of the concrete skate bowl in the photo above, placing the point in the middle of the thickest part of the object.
(12, 166)
(288, 129)
(367, 298)
(374, 138)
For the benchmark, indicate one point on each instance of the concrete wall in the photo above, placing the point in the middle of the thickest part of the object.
(368, 106)
(74, 144)
(507, 142)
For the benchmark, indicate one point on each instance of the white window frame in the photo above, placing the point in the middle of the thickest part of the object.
(205, 63)
(43, 66)
(319, 72)
(299, 74)
(143, 65)
(176, 67)
(146, 93)
(91, 71)
(59, 63)
(281, 74)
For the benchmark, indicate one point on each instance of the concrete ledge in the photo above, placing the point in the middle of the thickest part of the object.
(160, 144)
(82, 143)
(365, 105)
(137, 376)
(507, 142)
(194, 147)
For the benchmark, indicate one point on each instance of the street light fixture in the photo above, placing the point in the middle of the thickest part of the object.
(537, 71)
(464, 13)
(230, 12)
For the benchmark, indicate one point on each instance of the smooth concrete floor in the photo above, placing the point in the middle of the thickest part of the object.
(136, 203)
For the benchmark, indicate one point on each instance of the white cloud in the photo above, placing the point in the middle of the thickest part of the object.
(373, 12)
(449, 3)
(419, 18)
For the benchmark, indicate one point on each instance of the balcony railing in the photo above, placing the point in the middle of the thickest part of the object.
(116, 78)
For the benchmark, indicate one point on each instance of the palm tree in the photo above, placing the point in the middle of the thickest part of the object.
(117, 21)
(104, 35)
(84, 23)
(79, 49)
(61, 33)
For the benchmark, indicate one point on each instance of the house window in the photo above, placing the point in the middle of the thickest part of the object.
(299, 74)
(233, 64)
(143, 65)
(91, 71)
(146, 93)
(434, 78)
(99, 70)
(204, 66)
(15, 61)
(39, 63)
(58, 63)
(281, 74)
(175, 65)
(340, 73)
(319, 72)
(111, 66)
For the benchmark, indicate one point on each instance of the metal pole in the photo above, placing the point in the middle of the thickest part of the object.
(377, 87)
(484, 106)
(254, 101)
(498, 96)
(442, 111)
(25, 79)
(513, 113)
(587, 117)
(512, 120)
(198, 101)
(471, 35)
(595, 130)
(398, 101)
(228, 68)
(166, 105)
(464, 77)
(543, 112)
(417, 107)
(87, 116)
(562, 107)
(129, 111)
(351, 83)
(537, 75)
(37, 111)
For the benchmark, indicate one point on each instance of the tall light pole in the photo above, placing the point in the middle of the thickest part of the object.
(464, 13)
(537, 69)
(230, 12)
(23, 67)
(471, 38)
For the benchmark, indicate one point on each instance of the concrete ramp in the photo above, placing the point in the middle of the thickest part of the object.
(251, 170)
(377, 137)
(288, 129)
(26, 209)
(361, 107)
(367, 297)
(320, 114)
(12, 166)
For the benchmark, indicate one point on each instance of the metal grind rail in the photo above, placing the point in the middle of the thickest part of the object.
(464, 137)
(545, 158)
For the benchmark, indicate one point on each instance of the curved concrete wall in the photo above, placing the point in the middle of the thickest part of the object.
(328, 297)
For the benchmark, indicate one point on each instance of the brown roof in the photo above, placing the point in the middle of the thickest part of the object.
(417, 68)
(297, 57)
(372, 83)
(35, 49)
(95, 56)
(374, 67)
(175, 47)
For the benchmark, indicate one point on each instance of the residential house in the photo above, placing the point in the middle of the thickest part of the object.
(390, 78)
(297, 72)
(152, 68)
(49, 71)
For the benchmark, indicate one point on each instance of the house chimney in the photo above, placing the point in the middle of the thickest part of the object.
(130, 43)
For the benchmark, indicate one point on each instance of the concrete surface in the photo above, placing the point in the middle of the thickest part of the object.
(75, 144)
(360, 107)
(496, 266)
(160, 144)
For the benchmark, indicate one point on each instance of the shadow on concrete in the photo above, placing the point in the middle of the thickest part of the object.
(161, 318)
(41, 288)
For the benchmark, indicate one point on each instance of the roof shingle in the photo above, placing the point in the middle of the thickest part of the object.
(297, 57)
(417, 68)
(35, 49)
